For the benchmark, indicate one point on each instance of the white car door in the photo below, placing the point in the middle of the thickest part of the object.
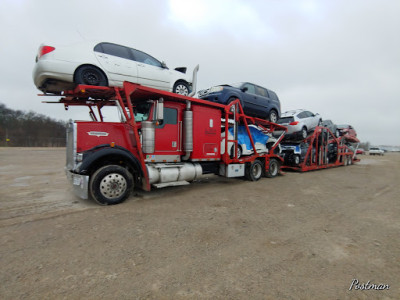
(151, 72)
(118, 62)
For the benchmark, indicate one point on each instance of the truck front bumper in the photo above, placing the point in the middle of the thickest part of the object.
(80, 184)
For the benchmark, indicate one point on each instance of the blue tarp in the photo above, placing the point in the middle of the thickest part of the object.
(243, 137)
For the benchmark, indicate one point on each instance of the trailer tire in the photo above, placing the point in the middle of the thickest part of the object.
(254, 170)
(90, 75)
(273, 168)
(111, 185)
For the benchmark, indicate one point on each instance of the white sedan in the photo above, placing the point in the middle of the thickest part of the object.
(59, 68)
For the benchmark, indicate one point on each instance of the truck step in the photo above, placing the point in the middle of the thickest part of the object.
(174, 183)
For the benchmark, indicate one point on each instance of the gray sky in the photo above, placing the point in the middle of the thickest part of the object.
(338, 58)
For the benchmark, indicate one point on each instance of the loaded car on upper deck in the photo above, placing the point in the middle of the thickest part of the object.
(255, 100)
(60, 68)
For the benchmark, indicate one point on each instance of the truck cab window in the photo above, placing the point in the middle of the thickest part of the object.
(142, 111)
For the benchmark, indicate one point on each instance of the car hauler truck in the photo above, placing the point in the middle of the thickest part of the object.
(320, 150)
(162, 139)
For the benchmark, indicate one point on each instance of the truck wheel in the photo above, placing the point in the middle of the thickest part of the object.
(254, 170)
(273, 168)
(110, 185)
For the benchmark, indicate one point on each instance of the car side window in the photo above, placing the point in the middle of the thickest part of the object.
(145, 58)
(262, 92)
(272, 95)
(250, 88)
(308, 114)
(113, 49)
(301, 115)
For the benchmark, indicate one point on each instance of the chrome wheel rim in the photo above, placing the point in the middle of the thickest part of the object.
(273, 169)
(257, 170)
(181, 90)
(273, 117)
(113, 186)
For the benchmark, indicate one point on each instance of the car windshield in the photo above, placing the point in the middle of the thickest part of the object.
(236, 85)
(142, 111)
(285, 120)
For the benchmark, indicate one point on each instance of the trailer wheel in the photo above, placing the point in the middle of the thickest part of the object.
(110, 185)
(254, 170)
(91, 76)
(181, 88)
(273, 168)
(296, 159)
(350, 160)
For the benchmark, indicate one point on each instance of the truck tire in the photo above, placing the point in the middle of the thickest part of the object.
(110, 185)
(273, 168)
(254, 170)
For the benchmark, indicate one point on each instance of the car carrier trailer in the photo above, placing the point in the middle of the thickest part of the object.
(162, 139)
(320, 150)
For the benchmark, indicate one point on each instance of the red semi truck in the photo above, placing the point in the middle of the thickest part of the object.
(162, 139)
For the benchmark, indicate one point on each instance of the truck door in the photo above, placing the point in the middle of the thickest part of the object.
(168, 139)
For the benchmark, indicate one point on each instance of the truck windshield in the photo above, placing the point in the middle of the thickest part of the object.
(142, 111)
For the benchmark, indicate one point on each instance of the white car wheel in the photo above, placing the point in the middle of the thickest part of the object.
(181, 88)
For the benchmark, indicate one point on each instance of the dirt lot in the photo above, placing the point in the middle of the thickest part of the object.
(297, 236)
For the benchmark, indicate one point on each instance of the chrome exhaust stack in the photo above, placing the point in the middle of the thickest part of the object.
(194, 81)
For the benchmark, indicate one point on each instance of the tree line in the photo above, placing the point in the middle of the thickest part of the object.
(30, 129)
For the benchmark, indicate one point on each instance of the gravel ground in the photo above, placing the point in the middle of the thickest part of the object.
(297, 236)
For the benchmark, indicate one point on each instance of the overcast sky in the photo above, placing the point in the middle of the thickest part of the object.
(338, 58)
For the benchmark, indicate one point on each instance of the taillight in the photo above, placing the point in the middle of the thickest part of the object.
(294, 123)
(44, 50)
